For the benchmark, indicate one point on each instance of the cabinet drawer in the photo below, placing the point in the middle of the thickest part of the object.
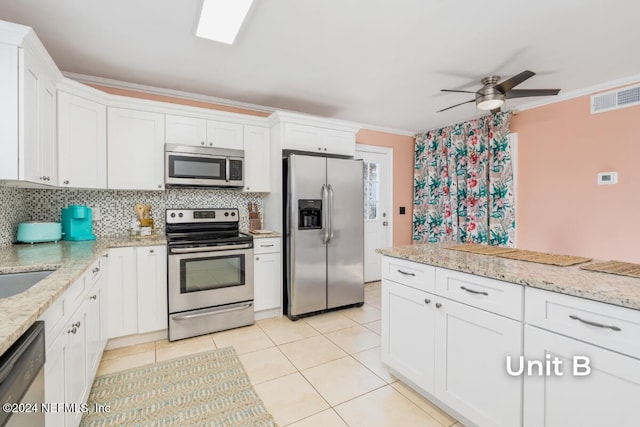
(604, 325)
(265, 246)
(416, 275)
(488, 294)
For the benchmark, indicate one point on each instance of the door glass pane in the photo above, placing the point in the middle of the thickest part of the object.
(371, 187)
(211, 273)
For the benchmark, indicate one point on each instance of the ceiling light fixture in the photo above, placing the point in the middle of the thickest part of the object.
(220, 20)
(490, 101)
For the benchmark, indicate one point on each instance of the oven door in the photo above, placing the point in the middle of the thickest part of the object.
(200, 277)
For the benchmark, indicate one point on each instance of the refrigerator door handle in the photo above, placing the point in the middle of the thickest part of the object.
(330, 213)
(325, 214)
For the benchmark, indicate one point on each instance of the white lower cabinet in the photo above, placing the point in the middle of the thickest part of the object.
(137, 290)
(151, 269)
(122, 292)
(75, 348)
(408, 332)
(471, 349)
(608, 396)
(453, 352)
(267, 285)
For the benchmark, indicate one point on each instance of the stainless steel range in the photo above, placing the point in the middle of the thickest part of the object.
(210, 272)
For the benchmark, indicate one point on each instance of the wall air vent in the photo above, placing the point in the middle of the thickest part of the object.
(615, 99)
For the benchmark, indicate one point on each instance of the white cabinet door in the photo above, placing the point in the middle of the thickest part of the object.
(82, 142)
(302, 138)
(267, 284)
(94, 344)
(104, 303)
(339, 142)
(76, 379)
(608, 396)
(224, 135)
(408, 336)
(55, 372)
(9, 108)
(256, 159)
(37, 120)
(470, 364)
(122, 292)
(152, 288)
(186, 130)
(135, 147)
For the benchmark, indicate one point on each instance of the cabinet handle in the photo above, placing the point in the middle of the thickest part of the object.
(266, 246)
(598, 325)
(151, 251)
(95, 270)
(211, 144)
(72, 330)
(93, 297)
(66, 181)
(427, 301)
(406, 274)
(248, 188)
(201, 142)
(76, 325)
(257, 258)
(438, 305)
(106, 255)
(325, 149)
(159, 185)
(42, 178)
(471, 291)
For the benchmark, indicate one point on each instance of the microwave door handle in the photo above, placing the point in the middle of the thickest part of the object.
(228, 166)
(325, 214)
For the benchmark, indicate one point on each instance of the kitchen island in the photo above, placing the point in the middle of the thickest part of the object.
(458, 326)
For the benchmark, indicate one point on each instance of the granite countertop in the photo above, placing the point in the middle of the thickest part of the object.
(69, 260)
(609, 288)
(265, 235)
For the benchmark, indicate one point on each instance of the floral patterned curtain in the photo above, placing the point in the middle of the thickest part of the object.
(463, 183)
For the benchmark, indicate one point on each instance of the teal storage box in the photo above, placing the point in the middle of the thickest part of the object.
(77, 223)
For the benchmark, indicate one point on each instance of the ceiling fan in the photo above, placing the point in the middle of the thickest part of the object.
(491, 95)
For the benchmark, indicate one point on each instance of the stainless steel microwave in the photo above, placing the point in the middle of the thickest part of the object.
(192, 166)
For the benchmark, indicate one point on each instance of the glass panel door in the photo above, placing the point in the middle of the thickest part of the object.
(204, 274)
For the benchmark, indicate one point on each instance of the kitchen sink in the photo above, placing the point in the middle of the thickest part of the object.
(15, 283)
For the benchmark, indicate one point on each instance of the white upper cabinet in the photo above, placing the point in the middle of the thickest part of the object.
(225, 135)
(256, 159)
(204, 133)
(82, 142)
(135, 148)
(318, 140)
(27, 108)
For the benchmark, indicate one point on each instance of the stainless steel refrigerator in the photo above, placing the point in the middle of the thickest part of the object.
(324, 234)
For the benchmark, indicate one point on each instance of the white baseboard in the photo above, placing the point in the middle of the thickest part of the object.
(136, 339)
(267, 314)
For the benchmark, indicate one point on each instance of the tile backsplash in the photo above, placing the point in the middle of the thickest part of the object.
(116, 206)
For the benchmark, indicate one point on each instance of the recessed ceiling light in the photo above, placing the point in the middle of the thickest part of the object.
(220, 20)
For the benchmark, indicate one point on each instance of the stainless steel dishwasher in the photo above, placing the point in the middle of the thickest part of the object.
(22, 380)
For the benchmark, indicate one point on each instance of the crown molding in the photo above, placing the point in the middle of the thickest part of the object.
(589, 90)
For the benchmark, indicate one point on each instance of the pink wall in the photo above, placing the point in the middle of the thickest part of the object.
(403, 149)
(560, 208)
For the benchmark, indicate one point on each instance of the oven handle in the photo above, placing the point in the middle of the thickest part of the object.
(209, 249)
(207, 312)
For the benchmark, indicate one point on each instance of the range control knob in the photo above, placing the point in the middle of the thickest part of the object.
(180, 215)
(173, 215)
(233, 214)
(226, 214)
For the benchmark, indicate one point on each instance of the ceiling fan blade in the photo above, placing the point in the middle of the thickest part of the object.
(514, 81)
(448, 108)
(523, 93)
(453, 90)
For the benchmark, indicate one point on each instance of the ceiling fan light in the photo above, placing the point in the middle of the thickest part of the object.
(490, 101)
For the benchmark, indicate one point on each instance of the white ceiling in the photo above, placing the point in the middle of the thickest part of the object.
(378, 62)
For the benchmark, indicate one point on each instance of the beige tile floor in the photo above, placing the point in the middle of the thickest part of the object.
(322, 371)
